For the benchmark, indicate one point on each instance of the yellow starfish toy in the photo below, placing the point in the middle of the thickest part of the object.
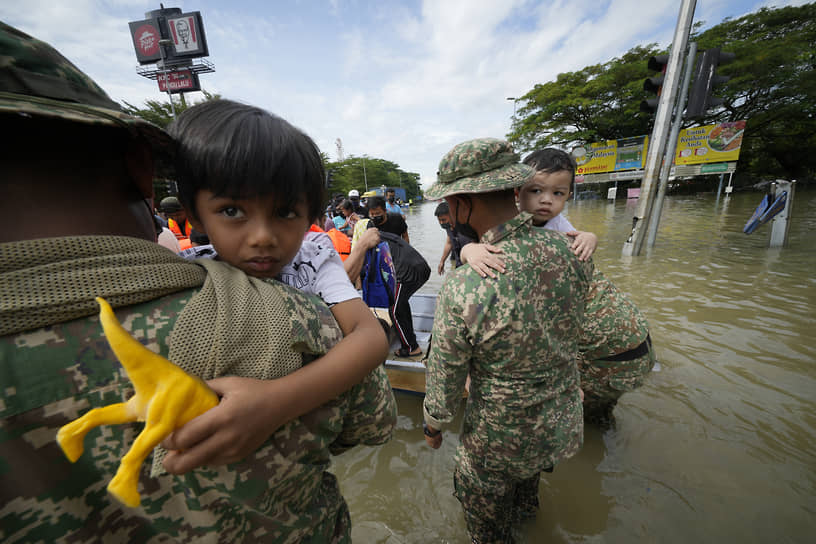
(166, 398)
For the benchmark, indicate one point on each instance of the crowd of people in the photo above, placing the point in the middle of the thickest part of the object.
(259, 295)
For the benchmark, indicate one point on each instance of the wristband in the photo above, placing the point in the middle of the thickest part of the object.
(427, 431)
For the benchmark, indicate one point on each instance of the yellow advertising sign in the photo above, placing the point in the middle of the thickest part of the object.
(709, 143)
(611, 155)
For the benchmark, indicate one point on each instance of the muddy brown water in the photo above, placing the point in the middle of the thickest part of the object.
(718, 446)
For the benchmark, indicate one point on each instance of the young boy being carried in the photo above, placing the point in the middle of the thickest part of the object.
(253, 183)
(615, 350)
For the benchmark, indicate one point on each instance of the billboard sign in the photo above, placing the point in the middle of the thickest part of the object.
(187, 33)
(710, 143)
(611, 155)
(145, 35)
(179, 81)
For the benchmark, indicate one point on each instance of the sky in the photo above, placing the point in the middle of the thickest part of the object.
(401, 80)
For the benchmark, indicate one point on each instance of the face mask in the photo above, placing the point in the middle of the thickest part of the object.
(446, 226)
(464, 228)
(378, 220)
(391, 199)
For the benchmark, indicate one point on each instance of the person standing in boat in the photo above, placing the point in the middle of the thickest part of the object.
(454, 241)
(523, 413)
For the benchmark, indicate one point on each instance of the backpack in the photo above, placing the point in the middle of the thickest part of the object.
(379, 277)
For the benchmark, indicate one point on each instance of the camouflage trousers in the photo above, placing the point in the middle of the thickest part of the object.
(493, 502)
(605, 380)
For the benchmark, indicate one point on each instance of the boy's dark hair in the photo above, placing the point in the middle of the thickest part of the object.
(376, 202)
(239, 151)
(442, 209)
(551, 160)
(346, 205)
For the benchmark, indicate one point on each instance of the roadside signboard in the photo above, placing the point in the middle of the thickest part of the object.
(145, 35)
(179, 81)
(710, 143)
(611, 155)
(714, 168)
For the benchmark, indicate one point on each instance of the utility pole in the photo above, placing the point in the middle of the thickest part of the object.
(162, 43)
(668, 157)
(657, 142)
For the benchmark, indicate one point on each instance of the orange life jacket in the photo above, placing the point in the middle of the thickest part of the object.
(341, 242)
(183, 240)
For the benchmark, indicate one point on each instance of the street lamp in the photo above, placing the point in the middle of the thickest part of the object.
(162, 43)
(514, 99)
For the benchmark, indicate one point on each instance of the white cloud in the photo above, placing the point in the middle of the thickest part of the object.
(397, 80)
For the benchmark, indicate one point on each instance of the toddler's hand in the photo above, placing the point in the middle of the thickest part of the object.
(483, 258)
(584, 244)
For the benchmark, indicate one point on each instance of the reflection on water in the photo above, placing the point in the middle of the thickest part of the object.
(718, 445)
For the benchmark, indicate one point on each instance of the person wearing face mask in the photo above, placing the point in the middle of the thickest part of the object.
(387, 222)
(391, 205)
(455, 241)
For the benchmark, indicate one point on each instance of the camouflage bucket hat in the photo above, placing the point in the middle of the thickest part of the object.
(479, 166)
(36, 80)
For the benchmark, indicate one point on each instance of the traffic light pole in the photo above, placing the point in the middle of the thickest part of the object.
(657, 142)
(668, 157)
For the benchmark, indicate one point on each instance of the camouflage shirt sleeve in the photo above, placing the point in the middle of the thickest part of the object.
(451, 350)
(372, 413)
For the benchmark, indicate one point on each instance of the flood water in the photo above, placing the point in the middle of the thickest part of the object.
(718, 446)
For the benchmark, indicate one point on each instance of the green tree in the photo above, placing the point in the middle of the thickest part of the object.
(599, 102)
(160, 113)
(359, 172)
(772, 86)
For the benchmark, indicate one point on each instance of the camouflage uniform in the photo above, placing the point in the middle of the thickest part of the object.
(53, 370)
(281, 493)
(516, 336)
(615, 349)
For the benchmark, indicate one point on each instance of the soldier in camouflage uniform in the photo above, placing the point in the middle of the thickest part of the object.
(82, 170)
(516, 337)
(615, 350)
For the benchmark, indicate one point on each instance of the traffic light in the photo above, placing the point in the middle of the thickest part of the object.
(654, 84)
(705, 79)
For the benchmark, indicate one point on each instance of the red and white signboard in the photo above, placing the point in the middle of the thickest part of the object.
(146, 36)
(180, 81)
(187, 33)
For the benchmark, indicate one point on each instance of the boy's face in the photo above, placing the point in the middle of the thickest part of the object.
(255, 235)
(544, 196)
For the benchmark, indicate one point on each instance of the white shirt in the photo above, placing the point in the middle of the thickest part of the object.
(558, 223)
(318, 269)
(167, 239)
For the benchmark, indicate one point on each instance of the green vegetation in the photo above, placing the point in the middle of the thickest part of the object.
(348, 174)
(772, 86)
(159, 113)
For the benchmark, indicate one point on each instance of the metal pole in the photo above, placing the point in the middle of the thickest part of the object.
(671, 147)
(365, 178)
(657, 143)
(780, 224)
(162, 43)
